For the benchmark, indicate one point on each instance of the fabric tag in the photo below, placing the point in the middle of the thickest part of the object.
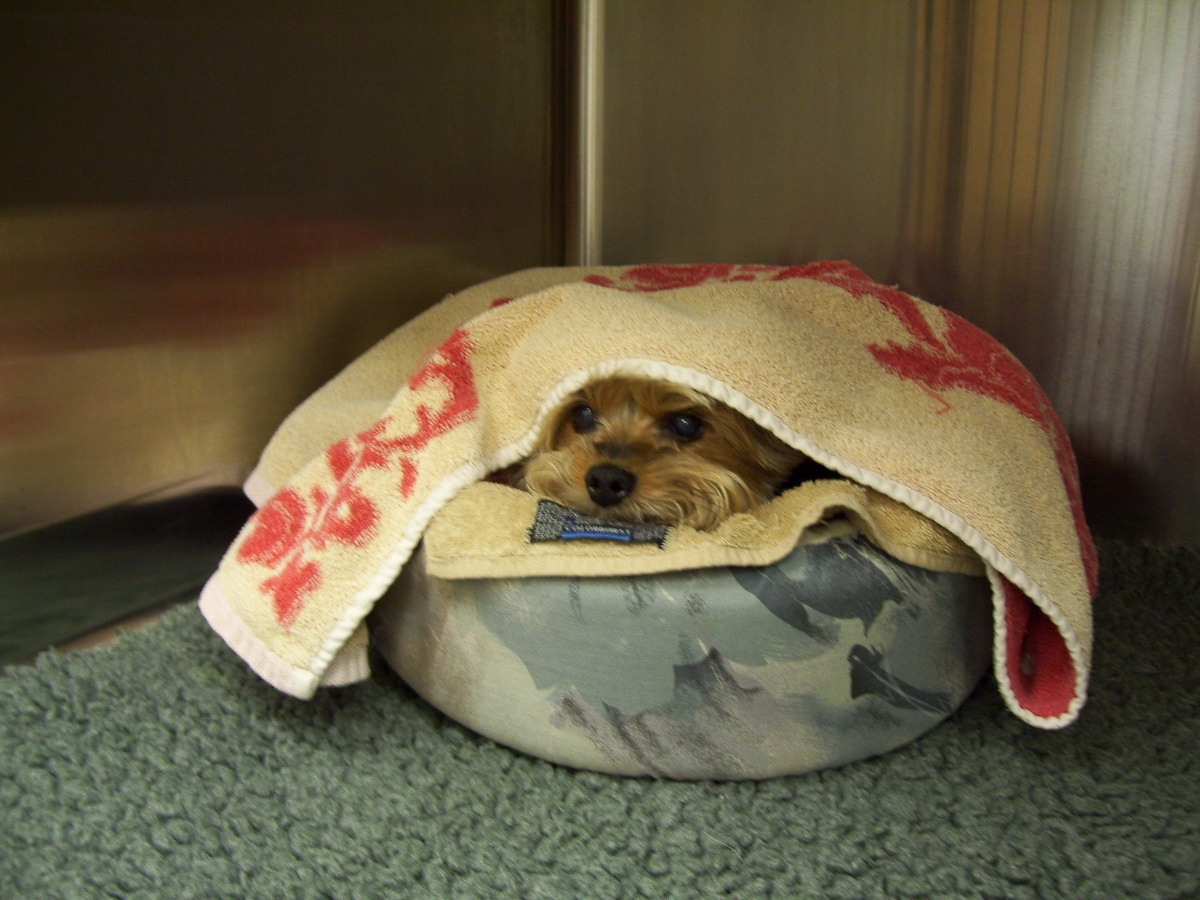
(555, 522)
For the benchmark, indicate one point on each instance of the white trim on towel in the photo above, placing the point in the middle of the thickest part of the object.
(270, 667)
(349, 666)
(258, 489)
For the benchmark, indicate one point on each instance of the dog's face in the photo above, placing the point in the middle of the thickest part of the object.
(639, 450)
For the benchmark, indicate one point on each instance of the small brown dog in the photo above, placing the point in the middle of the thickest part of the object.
(641, 450)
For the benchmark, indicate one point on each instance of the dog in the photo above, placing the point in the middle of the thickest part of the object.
(642, 450)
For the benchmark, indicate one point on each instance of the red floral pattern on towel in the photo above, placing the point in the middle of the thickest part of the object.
(671, 277)
(288, 533)
(663, 278)
(966, 357)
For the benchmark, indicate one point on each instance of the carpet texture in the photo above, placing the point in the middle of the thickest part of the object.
(161, 767)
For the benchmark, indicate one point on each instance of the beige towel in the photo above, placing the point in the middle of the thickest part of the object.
(895, 394)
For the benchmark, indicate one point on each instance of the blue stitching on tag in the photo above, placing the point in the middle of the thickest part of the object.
(624, 537)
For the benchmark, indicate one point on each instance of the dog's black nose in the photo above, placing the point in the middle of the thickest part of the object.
(609, 485)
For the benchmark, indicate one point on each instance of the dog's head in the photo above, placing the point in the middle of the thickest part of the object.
(640, 450)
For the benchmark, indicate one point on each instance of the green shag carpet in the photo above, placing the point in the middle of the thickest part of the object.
(159, 767)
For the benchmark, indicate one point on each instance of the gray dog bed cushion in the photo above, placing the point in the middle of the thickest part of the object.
(833, 652)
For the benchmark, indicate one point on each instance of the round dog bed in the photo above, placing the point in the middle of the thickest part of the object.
(835, 653)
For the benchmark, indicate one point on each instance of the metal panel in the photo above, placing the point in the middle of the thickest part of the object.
(206, 209)
(756, 131)
(1031, 164)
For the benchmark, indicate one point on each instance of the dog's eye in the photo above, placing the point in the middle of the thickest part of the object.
(685, 426)
(584, 419)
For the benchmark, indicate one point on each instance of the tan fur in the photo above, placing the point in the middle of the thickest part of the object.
(732, 466)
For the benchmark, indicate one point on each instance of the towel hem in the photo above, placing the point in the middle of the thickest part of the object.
(270, 667)
(258, 488)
